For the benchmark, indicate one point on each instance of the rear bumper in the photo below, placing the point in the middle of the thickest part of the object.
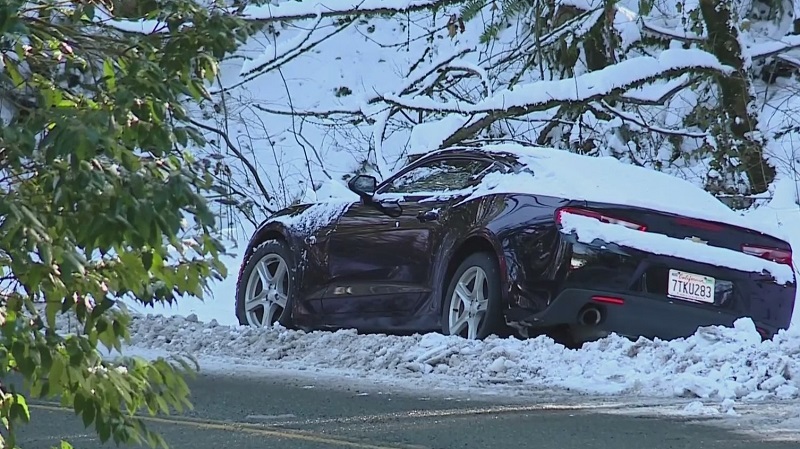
(632, 315)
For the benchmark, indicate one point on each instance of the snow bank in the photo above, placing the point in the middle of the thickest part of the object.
(716, 364)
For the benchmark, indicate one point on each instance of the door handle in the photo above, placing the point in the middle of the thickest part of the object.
(428, 215)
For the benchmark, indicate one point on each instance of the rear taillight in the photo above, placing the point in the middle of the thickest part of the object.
(783, 256)
(598, 216)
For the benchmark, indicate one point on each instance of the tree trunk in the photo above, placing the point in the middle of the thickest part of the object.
(736, 91)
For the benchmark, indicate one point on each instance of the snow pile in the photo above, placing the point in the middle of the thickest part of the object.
(715, 364)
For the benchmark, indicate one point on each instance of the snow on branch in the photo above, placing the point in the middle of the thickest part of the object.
(286, 11)
(275, 53)
(578, 27)
(542, 95)
(275, 56)
(658, 94)
(293, 10)
(643, 125)
(774, 47)
(670, 34)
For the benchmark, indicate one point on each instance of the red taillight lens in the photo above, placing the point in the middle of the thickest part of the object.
(783, 256)
(598, 216)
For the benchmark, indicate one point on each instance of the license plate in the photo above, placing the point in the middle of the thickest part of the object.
(691, 287)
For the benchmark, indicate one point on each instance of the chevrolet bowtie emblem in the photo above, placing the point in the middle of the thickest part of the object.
(697, 240)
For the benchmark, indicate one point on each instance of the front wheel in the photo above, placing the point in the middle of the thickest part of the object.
(263, 294)
(473, 303)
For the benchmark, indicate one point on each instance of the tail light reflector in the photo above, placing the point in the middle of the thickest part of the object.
(783, 256)
(608, 300)
(598, 216)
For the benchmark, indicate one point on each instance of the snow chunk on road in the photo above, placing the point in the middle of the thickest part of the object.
(715, 364)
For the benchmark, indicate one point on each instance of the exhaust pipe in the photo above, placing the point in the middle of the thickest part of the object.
(590, 316)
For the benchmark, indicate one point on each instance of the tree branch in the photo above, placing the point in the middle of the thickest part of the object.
(544, 95)
(764, 50)
(641, 123)
(631, 98)
(239, 155)
(666, 33)
(289, 11)
(286, 56)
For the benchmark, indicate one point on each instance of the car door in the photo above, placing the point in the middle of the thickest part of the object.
(380, 256)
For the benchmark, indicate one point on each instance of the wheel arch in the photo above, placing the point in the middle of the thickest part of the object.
(478, 242)
(265, 232)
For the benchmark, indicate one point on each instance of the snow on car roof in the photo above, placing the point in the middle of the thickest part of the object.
(563, 174)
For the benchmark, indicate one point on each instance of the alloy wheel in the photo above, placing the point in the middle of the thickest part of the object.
(267, 291)
(469, 303)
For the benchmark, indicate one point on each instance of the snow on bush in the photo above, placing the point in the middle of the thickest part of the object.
(716, 364)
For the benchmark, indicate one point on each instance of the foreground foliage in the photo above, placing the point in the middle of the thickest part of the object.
(100, 200)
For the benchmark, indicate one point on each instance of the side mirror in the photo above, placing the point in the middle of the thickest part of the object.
(364, 186)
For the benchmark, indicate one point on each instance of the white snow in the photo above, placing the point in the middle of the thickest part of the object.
(426, 137)
(717, 364)
(316, 216)
(588, 229)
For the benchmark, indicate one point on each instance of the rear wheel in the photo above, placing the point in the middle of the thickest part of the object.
(263, 294)
(473, 303)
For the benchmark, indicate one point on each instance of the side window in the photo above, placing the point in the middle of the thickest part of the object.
(440, 176)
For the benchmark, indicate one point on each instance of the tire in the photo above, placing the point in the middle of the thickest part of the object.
(491, 320)
(273, 309)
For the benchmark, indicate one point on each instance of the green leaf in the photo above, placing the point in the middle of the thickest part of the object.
(109, 75)
(13, 72)
(19, 409)
(96, 172)
(72, 264)
(147, 260)
(88, 413)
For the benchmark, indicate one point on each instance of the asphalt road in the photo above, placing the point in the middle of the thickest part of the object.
(247, 413)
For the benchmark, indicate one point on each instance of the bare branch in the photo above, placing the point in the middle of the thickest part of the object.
(322, 113)
(239, 155)
(641, 123)
(668, 34)
(632, 98)
(278, 61)
(772, 48)
(790, 60)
